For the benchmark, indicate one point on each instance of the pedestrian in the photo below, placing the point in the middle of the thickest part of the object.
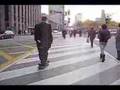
(71, 33)
(64, 32)
(80, 32)
(118, 42)
(43, 37)
(74, 32)
(91, 35)
(104, 36)
(19, 32)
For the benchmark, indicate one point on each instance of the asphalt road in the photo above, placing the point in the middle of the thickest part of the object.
(20, 44)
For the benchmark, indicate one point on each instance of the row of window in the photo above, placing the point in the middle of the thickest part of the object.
(25, 19)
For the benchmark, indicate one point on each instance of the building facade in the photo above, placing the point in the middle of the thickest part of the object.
(56, 16)
(101, 20)
(78, 17)
(19, 17)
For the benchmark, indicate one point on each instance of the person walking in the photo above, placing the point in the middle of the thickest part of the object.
(91, 35)
(74, 32)
(19, 32)
(71, 33)
(43, 37)
(64, 32)
(80, 32)
(104, 36)
(117, 38)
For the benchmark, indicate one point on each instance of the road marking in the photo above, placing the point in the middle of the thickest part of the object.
(117, 82)
(33, 69)
(59, 55)
(77, 75)
(6, 65)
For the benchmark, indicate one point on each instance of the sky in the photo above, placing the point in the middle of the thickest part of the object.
(89, 11)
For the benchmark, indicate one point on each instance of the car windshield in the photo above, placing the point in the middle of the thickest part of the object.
(8, 32)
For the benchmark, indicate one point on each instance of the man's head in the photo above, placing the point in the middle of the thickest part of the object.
(92, 28)
(104, 26)
(44, 18)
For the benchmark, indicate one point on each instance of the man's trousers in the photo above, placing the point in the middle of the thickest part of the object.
(118, 54)
(43, 53)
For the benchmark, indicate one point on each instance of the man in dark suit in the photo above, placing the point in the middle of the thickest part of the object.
(43, 37)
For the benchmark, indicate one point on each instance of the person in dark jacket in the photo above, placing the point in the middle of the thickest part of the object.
(104, 36)
(80, 32)
(91, 35)
(43, 37)
(64, 32)
(74, 32)
(117, 38)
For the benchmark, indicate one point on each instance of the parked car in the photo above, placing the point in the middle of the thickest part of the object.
(7, 34)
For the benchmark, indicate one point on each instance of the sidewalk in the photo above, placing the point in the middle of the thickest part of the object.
(68, 57)
(11, 50)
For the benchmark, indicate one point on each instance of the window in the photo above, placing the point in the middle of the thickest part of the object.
(14, 13)
(6, 16)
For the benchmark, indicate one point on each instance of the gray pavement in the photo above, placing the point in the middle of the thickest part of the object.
(72, 62)
(14, 48)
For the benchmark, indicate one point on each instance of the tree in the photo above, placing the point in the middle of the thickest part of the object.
(113, 24)
(89, 23)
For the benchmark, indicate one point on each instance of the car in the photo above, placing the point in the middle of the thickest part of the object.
(7, 34)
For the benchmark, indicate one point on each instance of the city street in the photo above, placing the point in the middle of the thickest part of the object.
(72, 62)
(12, 50)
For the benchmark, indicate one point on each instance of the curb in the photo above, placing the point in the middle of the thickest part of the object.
(109, 54)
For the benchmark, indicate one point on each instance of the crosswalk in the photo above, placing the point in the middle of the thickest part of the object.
(72, 62)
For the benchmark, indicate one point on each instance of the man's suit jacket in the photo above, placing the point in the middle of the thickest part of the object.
(43, 33)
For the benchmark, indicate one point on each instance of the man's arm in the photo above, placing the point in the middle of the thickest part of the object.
(109, 35)
(98, 34)
(51, 37)
(36, 36)
(88, 34)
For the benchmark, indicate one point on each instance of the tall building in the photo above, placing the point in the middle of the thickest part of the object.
(56, 16)
(19, 17)
(102, 18)
(78, 17)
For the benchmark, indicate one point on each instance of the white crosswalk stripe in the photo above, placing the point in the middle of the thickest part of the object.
(57, 49)
(83, 54)
(117, 82)
(58, 55)
(33, 69)
(74, 76)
